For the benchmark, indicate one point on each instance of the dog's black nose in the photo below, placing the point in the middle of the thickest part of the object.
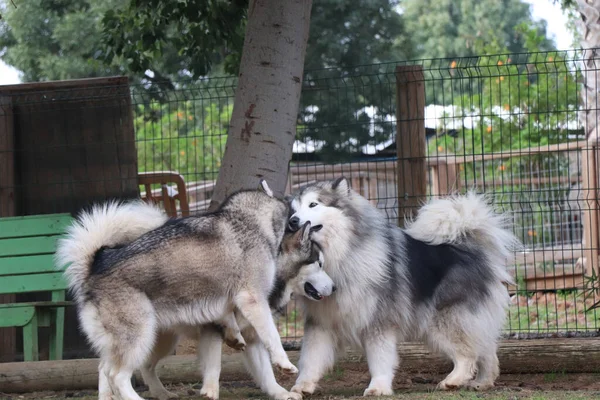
(333, 289)
(294, 223)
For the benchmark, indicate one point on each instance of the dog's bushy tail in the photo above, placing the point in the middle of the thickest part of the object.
(105, 225)
(455, 219)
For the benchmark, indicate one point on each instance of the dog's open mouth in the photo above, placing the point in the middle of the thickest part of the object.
(312, 292)
(316, 228)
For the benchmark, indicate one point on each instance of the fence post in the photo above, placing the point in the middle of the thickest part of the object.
(410, 139)
(589, 186)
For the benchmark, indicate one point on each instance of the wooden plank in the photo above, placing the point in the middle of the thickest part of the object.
(556, 281)
(28, 246)
(61, 85)
(33, 283)
(469, 158)
(69, 152)
(410, 140)
(8, 202)
(24, 265)
(552, 254)
(444, 179)
(516, 356)
(7, 156)
(35, 225)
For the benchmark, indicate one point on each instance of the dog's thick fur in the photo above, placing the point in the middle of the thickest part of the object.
(441, 280)
(295, 273)
(185, 272)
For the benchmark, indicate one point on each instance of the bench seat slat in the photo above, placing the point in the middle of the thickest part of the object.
(32, 283)
(28, 246)
(34, 225)
(25, 265)
(39, 304)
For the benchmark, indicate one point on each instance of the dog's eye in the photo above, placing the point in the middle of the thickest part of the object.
(312, 205)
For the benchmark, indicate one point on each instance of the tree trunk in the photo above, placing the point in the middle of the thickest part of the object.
(263, 124)
(589, 25)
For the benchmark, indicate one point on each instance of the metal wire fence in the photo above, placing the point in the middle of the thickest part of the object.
(507, 125)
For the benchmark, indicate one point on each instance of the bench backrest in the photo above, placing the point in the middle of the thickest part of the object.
(27, 246)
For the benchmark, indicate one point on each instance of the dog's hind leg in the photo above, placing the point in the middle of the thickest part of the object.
(487, 370)
(209, 350)
(256, 359)
(447, 333)
(165, 343)
(316, 357)
(258, 313)
(121, 381)
(104, 390)
(131, 336)
(382, 357)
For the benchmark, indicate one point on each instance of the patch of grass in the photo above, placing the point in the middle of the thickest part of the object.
(566, 310)
(335, 374)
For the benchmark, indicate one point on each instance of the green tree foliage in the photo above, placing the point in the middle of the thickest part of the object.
(522, 100)
(188, 138)
(191, 35)
(159, 41)
(344, 36)
(52, 40)
(449, 28)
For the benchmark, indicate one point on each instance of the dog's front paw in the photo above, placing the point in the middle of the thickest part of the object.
(288, 396)
(286, 367)
(234, 339)
(235, 343)
(450, 384)
(304, 388)
(375, 391)
(210, 392)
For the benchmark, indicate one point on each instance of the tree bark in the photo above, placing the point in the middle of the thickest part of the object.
(263, 123)
(589, 25)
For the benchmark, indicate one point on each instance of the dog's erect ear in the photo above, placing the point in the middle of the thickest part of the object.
(341, 186)
(265, 188)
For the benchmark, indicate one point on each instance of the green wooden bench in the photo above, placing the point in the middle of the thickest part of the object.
(27, 246)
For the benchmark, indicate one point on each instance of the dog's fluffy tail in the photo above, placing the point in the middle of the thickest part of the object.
(105, 225)
(455, 219)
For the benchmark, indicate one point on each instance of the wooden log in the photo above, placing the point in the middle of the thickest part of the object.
(410, 140)
(516, 356)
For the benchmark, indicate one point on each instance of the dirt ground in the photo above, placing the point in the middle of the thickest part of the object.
(349, 384)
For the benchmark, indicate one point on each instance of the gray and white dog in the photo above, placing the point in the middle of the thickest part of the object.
(440, 280)
(133, 278)
(296, 274)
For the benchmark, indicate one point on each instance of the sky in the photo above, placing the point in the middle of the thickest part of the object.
(541, 9)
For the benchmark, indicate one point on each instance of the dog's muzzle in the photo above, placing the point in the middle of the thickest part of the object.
(294, 224)
(311, 292)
